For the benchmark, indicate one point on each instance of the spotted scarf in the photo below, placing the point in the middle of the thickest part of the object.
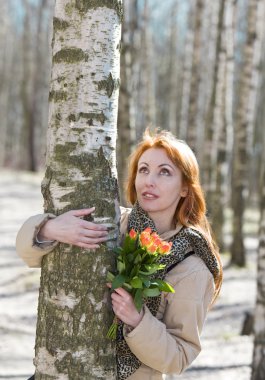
(186, 240)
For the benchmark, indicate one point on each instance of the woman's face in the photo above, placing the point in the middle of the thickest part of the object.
(159, 185)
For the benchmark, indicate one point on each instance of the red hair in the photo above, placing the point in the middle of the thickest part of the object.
(191, 210)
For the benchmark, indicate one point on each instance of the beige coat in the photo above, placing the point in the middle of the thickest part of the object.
(168, 343)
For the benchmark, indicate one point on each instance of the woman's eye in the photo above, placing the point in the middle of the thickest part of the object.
(164, 171)
(143, 170)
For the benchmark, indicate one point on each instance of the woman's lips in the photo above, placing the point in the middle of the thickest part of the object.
(148, 195)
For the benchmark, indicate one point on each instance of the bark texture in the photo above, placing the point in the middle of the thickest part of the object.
(258, 366)
(243, 121)
(74, 312)
(258, 363)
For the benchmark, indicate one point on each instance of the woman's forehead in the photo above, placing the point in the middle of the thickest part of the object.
(156, 156)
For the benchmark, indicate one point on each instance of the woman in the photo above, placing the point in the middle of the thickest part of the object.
(163, 187)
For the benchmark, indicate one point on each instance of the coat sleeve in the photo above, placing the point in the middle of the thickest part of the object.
(171, 344)
(27, 247)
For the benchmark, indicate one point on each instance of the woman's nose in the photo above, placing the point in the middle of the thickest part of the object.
(150, 180)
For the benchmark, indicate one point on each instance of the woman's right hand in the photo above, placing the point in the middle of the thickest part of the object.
(71, 229)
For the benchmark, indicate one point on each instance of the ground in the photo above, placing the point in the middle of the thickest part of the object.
(226, 355)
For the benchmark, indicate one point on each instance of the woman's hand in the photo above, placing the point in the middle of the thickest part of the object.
(124, 307)
(71, 229)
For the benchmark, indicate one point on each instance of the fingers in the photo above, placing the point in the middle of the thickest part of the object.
(82, 212)
(93, 226)
(87, 232)
(123, 293)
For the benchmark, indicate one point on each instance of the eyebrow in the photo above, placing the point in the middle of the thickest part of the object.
(145, 163)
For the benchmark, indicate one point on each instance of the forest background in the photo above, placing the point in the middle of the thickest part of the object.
(196, 68)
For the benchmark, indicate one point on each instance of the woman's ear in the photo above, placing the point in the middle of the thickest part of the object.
(184, 191)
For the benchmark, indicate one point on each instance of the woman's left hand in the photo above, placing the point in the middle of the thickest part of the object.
(124, 307)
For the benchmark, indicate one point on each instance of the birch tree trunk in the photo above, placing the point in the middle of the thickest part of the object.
(215, 136)
(187, 77)
(26, 87)
(146, 100)
(36, 88)
(74, 313)
(173, 72)
(6, 46)
(126, 113)
(258, 365)
(242, 119)
(195, 74)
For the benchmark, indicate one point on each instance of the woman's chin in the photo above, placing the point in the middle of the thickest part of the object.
(147, 206)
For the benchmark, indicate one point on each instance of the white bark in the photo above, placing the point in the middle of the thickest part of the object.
(96, 43)
(74, 315)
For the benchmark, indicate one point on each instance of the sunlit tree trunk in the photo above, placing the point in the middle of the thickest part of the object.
(34, 96)
(6, 46)
(195, 74)
(215, 131)
(26, 87)
(126, 113)
(74, 313)
(146, 99)
(173, 84)
(243, 118)
(258, 364)
(187, 75)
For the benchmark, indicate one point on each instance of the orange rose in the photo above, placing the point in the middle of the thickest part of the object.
(152, 248)
(165, 247)
(156, 238)
(148, 230)
(133, 234)
(145, 239)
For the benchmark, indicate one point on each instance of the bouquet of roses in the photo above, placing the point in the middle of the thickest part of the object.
(137, 262)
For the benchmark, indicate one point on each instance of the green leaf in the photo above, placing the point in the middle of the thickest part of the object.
(146, 281)
(120, 266)
(118, 281)
(149, 269)
(163, 286)
(129, 244)
(138, 299)
(110, 277)
(136, 283)
(117, 250)
(134, 271)
(130, 257)
(132, 245)
(127, 287)
(151, 292)
(137, 259)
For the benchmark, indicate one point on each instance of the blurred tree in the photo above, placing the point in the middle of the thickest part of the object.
(34, 98)
(258, 365)
(215, 135)
(243, 120)
(173, 85)
(126, 112)
(6, 47)
(195, 73)
(73, 313)
(146, 96)
(187, 75)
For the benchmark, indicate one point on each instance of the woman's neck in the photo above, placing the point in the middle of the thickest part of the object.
(163, 224)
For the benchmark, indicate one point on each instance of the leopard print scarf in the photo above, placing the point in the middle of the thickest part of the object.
(186, 240)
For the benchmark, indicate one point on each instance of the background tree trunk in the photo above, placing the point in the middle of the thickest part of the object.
(242, 120)
(74, 312)
(258, 364)
(258, 367)
(126, 112)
